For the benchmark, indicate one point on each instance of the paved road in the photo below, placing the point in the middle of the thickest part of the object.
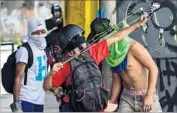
(50, 103)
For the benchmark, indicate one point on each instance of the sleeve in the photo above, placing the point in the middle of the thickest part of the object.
(22, 55)
(99, 51)
(59, 77)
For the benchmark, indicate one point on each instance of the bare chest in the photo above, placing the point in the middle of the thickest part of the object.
(132, 63)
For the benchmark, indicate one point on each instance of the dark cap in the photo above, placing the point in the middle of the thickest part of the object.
(99, 26)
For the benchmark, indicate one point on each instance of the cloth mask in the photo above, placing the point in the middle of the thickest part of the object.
(36, 23)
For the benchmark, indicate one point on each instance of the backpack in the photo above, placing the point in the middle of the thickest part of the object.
(88, 94)
(9, 68)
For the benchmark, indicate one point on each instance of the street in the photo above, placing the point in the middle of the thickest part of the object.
(51, 104)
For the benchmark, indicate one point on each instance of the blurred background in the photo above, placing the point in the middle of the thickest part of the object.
(14, 16)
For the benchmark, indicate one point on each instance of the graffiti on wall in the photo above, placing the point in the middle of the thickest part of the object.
(167, 83)
(159, 32)
(14, 18)
(11, 22)
(163, 51)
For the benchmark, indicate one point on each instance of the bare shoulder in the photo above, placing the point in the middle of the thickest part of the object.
(137, 48)
(135, 44)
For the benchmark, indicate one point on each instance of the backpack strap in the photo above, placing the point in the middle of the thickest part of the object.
(30, 60)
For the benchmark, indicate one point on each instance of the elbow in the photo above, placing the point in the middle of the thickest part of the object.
(47, 85)
(116, 77)
(18, 78)
(45, 89)
(154, 70)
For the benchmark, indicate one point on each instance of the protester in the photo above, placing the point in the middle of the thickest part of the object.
(29, 97)
(72, 43)
(138, 74)
(53, 49)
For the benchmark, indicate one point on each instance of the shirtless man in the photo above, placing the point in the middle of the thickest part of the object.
(139, 82)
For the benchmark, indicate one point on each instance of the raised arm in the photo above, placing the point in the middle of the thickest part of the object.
(126, 31)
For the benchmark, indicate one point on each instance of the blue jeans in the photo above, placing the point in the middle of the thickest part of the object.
(30, 107)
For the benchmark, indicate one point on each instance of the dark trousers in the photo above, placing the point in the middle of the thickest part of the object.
(66, 107)
(30, 107)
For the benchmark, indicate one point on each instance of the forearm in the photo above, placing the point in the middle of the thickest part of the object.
(47, 85)
(17, 87)
(116, 87)
(122, 34)
(20, 68)
(152, 80)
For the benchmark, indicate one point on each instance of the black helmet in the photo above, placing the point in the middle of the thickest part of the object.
(66, 36)
(57, 18)
(55, 7)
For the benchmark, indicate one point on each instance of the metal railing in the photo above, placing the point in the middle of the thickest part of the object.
(7, 44)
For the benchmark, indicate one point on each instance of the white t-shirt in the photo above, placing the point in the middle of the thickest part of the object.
(33, 91)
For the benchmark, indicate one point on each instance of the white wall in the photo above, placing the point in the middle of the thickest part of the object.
(110, 10)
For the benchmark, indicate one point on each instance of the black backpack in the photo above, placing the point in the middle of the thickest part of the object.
(88, 94)
(9, 68)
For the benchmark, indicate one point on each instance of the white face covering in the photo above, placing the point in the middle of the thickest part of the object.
(39, 40)
(34, 24)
